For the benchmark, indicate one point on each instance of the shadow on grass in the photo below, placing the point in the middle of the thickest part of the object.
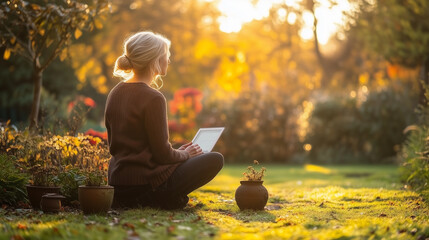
(247, 216)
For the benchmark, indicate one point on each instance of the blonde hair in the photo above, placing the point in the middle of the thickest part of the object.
(142, 52)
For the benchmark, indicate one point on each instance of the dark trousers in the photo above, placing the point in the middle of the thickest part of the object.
(172, 194)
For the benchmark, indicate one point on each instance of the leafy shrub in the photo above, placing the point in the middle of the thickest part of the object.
(334, 131)
(257, 126)
(8, 136)
(385, 114)
(348, 130)
(65, 161)
(415, 150)
(81, 160)
(12, 181)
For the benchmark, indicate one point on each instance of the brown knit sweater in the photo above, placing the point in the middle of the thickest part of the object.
(136, 122)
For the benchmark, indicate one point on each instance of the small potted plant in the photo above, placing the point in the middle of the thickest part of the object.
(95, 196)
(251, 194)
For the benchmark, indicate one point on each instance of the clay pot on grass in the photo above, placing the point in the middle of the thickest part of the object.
(95, 199)
(51, 202)
(251, 195)
(35, 194)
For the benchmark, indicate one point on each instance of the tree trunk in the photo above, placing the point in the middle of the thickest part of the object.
(37, 81)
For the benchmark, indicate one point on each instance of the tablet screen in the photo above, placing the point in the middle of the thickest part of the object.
(206, 138)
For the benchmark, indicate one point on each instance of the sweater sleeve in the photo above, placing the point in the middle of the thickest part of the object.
(157, 131)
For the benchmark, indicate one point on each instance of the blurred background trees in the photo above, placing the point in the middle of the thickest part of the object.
(41, 32)
(292, 81)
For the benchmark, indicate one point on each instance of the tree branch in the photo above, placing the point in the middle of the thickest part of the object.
(21, 43)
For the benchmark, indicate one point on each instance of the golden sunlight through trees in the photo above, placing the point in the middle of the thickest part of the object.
(330, 16)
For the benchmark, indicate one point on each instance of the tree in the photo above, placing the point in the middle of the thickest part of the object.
(334, 63)
(41, 32)
(398, 30)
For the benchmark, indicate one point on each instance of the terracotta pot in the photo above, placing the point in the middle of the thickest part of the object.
(35, 194)
(251, 195)
(95, 199)
(51, 202)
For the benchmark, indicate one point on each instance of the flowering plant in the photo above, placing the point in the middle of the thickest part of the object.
(184, 109)
(254, 175)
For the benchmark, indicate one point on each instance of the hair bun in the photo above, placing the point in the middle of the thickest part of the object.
(124, 63)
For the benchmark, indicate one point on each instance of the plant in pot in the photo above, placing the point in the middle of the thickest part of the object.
(39, 159)
(95, 196)
(42, 181)
(251, 194)
(42, 159)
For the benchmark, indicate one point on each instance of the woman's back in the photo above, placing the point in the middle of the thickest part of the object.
(124, 116)
(135, 118)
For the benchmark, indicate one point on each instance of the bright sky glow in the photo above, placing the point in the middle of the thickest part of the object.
(238, 12)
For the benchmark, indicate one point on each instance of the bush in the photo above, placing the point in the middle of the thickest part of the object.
(65, 161)
(356, 130)
(415, 153)
(257, 126)
(12, 182)
(415, 150)
(334, 130)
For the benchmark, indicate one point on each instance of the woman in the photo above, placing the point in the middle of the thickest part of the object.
(144, 169)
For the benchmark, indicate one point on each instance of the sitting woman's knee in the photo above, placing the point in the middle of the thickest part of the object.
(217, 160)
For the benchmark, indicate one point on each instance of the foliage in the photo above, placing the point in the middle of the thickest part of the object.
(401, 24)
(303, 205)
(42, 32)
(77, 111)
(70, 179)
(367, 128)
(12, 181)
(258, 125)
(27, 149)
(87, 153)
(252, 174)
(67, 161)
(415, 154)
(7, 137)
(415, 150)
(184, 109)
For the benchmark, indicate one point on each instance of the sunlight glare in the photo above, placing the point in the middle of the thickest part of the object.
(316, 168)
(330, 18)
(306, 32)
(229, 24)
(291, 19)
(262, 9)
(281, 13)
(235, 13)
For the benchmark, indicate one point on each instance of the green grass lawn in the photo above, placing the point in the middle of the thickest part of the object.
(337, 202)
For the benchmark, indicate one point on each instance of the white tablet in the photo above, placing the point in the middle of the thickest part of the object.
(206, 138)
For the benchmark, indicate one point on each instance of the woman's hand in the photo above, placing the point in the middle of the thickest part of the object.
(193, 150)
(183, 147)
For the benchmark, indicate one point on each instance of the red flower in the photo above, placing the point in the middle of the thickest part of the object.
(189, 97)
(92, 132)
(92, 142)
(89, 102)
